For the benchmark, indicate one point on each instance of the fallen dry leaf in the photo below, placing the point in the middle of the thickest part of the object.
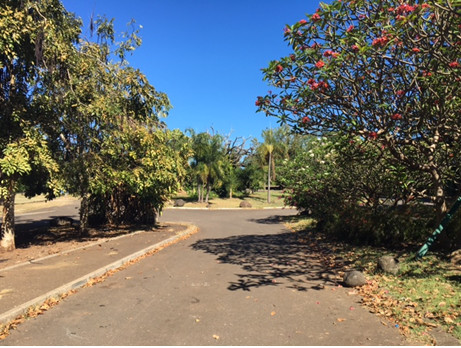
(340, 320)
(272, 313)
(216, 337)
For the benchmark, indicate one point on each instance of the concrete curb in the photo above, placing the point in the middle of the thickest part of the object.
(200, 208)
(80, 282)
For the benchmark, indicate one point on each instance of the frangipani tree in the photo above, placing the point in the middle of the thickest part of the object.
(387, 72)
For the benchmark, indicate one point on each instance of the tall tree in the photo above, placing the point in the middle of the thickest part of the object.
(36, 36)
(100, 95)
(274, 148)
(387, 72)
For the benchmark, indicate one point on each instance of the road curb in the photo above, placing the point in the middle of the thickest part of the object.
(80, 282)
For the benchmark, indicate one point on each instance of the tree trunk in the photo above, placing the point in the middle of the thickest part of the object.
(84, 212)
(208, 190)
(440, 199)
(230, 193)
(269, 178)
(7, 242)
(199, 193)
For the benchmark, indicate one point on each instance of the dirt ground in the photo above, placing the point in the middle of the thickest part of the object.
(44, 241)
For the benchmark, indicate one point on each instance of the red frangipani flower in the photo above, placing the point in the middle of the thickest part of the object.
(315, 17)
(380, 41)
(454, 64)
(320, 64)
(396, 117)
(278, 68)
(330, 53)
(302, 21)
(405, 8)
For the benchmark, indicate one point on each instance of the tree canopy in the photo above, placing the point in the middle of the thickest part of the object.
(386, 72)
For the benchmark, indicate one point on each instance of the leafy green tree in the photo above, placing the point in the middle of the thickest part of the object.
(35, 37)
(140, 169)
(387, 72)
(347, 186)
(100, 96)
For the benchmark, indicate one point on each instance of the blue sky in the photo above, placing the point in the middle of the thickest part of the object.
(206, 55)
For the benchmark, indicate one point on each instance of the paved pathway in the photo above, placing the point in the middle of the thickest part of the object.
(241, 280)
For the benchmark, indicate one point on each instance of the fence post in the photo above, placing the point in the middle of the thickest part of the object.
(424, 249)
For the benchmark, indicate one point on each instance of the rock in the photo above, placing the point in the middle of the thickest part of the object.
(245, 204)
(179, 203)
(389, 264)
(354, 278)
(62, 221)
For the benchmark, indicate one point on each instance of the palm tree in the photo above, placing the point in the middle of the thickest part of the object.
(275, 146)
(209, 162)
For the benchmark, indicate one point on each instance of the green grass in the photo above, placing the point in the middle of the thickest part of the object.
(258, 200)
(424, 294)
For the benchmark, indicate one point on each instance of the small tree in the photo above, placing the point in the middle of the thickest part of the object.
(386, 72)
(140, 169)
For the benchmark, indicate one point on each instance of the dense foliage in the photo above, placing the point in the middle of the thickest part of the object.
(384, 75)
(75, 116)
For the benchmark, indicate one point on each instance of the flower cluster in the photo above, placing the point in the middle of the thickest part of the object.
(314, 85)
(315, 17)
(380, 41)
(330, 53)
(405, 9)
(320, 64)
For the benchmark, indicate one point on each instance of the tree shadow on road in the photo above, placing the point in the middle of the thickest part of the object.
(273, 260)
(273, 219)
(41, 233)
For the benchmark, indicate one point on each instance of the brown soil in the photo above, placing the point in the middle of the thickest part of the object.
(35, 243)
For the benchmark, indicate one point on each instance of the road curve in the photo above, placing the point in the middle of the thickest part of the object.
(243, 279)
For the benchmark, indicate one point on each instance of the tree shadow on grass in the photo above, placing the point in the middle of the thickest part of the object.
(271, 260)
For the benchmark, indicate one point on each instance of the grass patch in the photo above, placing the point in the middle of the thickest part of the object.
(424, 295)
(23, 204)
(258, 200)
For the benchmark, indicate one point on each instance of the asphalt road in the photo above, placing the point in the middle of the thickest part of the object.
(241, 280)
(47, 213)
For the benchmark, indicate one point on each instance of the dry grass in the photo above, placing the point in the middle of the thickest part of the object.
(24, 205)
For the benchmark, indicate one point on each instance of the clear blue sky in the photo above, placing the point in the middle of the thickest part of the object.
(206, 55)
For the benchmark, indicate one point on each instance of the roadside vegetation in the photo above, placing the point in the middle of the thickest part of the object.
(424, 295)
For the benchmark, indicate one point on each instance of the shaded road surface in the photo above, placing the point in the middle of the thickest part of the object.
(242, 280)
